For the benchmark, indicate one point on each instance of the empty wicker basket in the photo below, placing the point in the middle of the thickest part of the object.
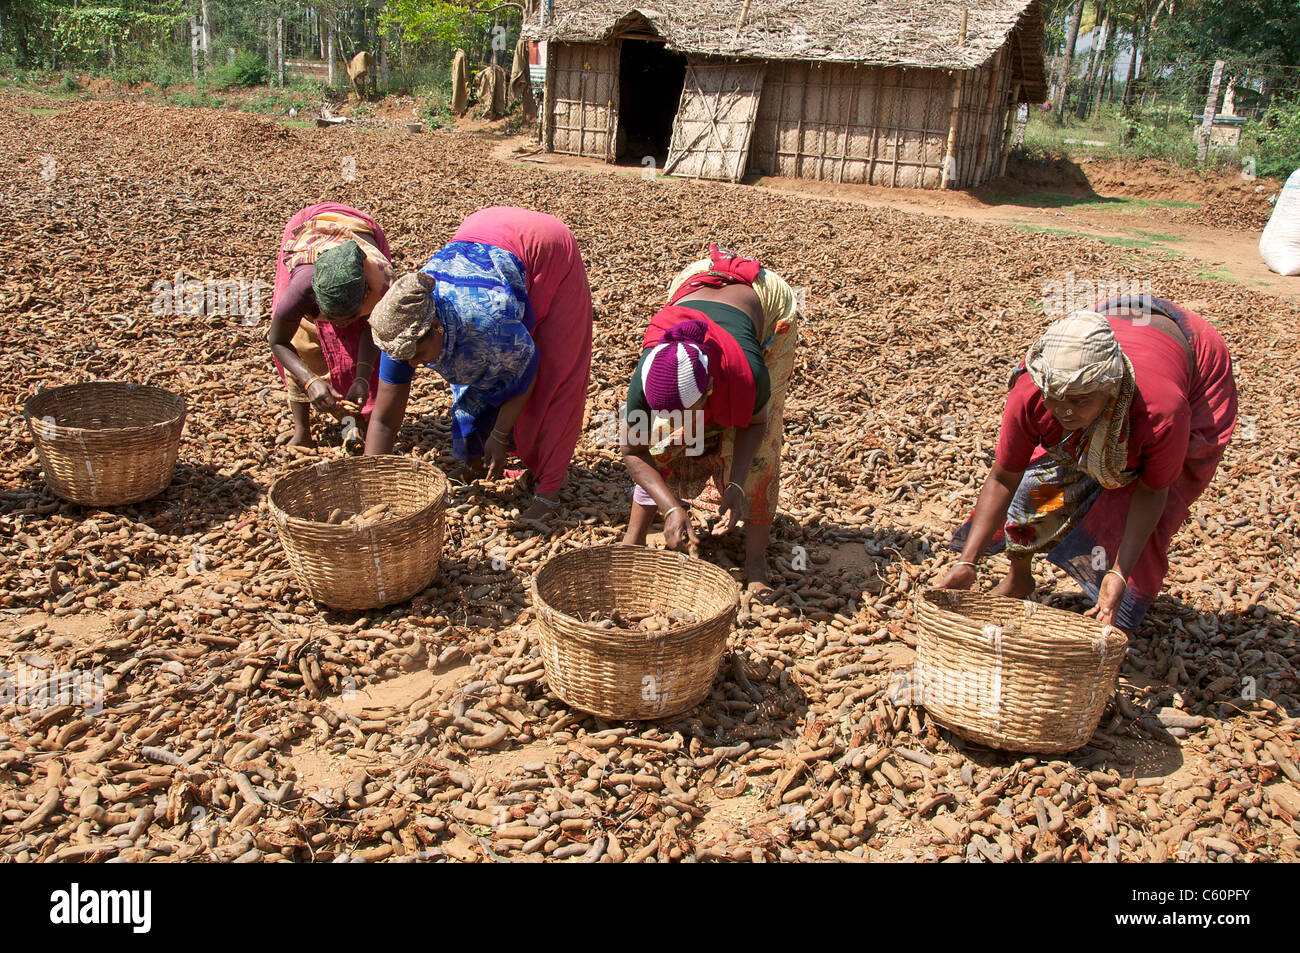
(349, 566)
(1013, 674)
(106, 443)
(632, 675)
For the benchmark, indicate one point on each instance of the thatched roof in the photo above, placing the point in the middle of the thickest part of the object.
(925, 33)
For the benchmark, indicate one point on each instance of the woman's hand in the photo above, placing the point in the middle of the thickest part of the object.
(1111, 593)
(960, 576)
(731, 511)
(358, 392)
(677, 526)
(324, 398)
(494, 458)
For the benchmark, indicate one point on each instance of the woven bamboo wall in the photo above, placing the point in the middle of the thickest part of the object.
(584, 110)
(841, 123)
(716, 118)
(985, 101)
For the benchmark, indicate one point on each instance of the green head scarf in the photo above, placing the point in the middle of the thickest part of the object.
(339, 281)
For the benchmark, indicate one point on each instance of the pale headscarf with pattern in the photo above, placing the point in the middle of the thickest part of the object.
(1079, 354)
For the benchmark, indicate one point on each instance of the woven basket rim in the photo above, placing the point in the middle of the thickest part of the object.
(632, 638)
(344, 532)
(179, 402)
(1086, 630)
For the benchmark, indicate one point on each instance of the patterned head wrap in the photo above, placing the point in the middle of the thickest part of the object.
(676, 373)
(339, 281)
(1077, 355)
(404, 315)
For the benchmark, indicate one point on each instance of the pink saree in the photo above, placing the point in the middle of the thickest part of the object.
(547, 431)
(299, 245)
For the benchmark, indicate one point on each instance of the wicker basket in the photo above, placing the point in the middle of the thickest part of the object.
(106, 443)
(1012, 674)
(362, 567)
(631, 675)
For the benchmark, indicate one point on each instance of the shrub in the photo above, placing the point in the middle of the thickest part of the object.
(1277, 135)
(436, 112)
(70, 84)
(248, 69)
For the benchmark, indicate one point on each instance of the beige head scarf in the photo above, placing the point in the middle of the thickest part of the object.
(404, 315)
(1077, 355)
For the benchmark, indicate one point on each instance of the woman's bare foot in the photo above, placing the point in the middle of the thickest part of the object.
(301, 438)
(1018, 583)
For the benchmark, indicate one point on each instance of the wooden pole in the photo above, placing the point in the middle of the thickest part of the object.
(548, 101)
(205, 34)
(954, 114)
(986, 114)
(898, 122)
(329, 50)
(279, 51)
(744, 14)
(1012, 108)
(875, 124)
(1211, 106)
(194, 47)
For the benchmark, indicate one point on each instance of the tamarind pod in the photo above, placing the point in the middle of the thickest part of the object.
(38, 817)
(793, 772)
(569, 850)
(536, 844)
(721, 754)
(162, 756)
(488, 740)
(81, 853)
(140, 824)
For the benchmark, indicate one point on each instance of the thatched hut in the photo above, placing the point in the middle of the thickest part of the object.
(885, 92)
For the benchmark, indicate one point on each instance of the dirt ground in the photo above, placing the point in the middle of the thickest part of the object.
(242, 721)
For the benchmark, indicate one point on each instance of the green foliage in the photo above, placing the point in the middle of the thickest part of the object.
(248, 69)
(278, 103)
(200, 98)
(1277, 140)
(436, 23)
(1113, 133)
(1145, 134)
(91, 34)
(437, 112)
(69, 84)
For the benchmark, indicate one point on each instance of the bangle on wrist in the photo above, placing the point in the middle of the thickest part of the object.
(737, 486)
(967, 562)
(669, 512)
(318, 377)
(503, 437)
(1117, 574)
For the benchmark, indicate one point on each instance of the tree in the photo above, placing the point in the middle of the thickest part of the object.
(1063, 80)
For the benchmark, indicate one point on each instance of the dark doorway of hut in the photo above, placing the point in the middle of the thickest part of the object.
(650, 81)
